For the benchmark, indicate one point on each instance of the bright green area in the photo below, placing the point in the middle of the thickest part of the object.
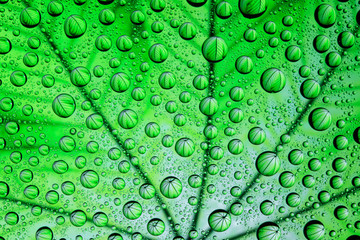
(179, 119)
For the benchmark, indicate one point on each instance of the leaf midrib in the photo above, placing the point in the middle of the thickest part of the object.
(210, 90)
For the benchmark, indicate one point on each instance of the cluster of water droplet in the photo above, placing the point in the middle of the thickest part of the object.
(179, 119)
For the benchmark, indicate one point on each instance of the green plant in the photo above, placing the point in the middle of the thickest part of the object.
(190, 119)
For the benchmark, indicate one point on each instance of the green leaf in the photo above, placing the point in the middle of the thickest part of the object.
(189, 119)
